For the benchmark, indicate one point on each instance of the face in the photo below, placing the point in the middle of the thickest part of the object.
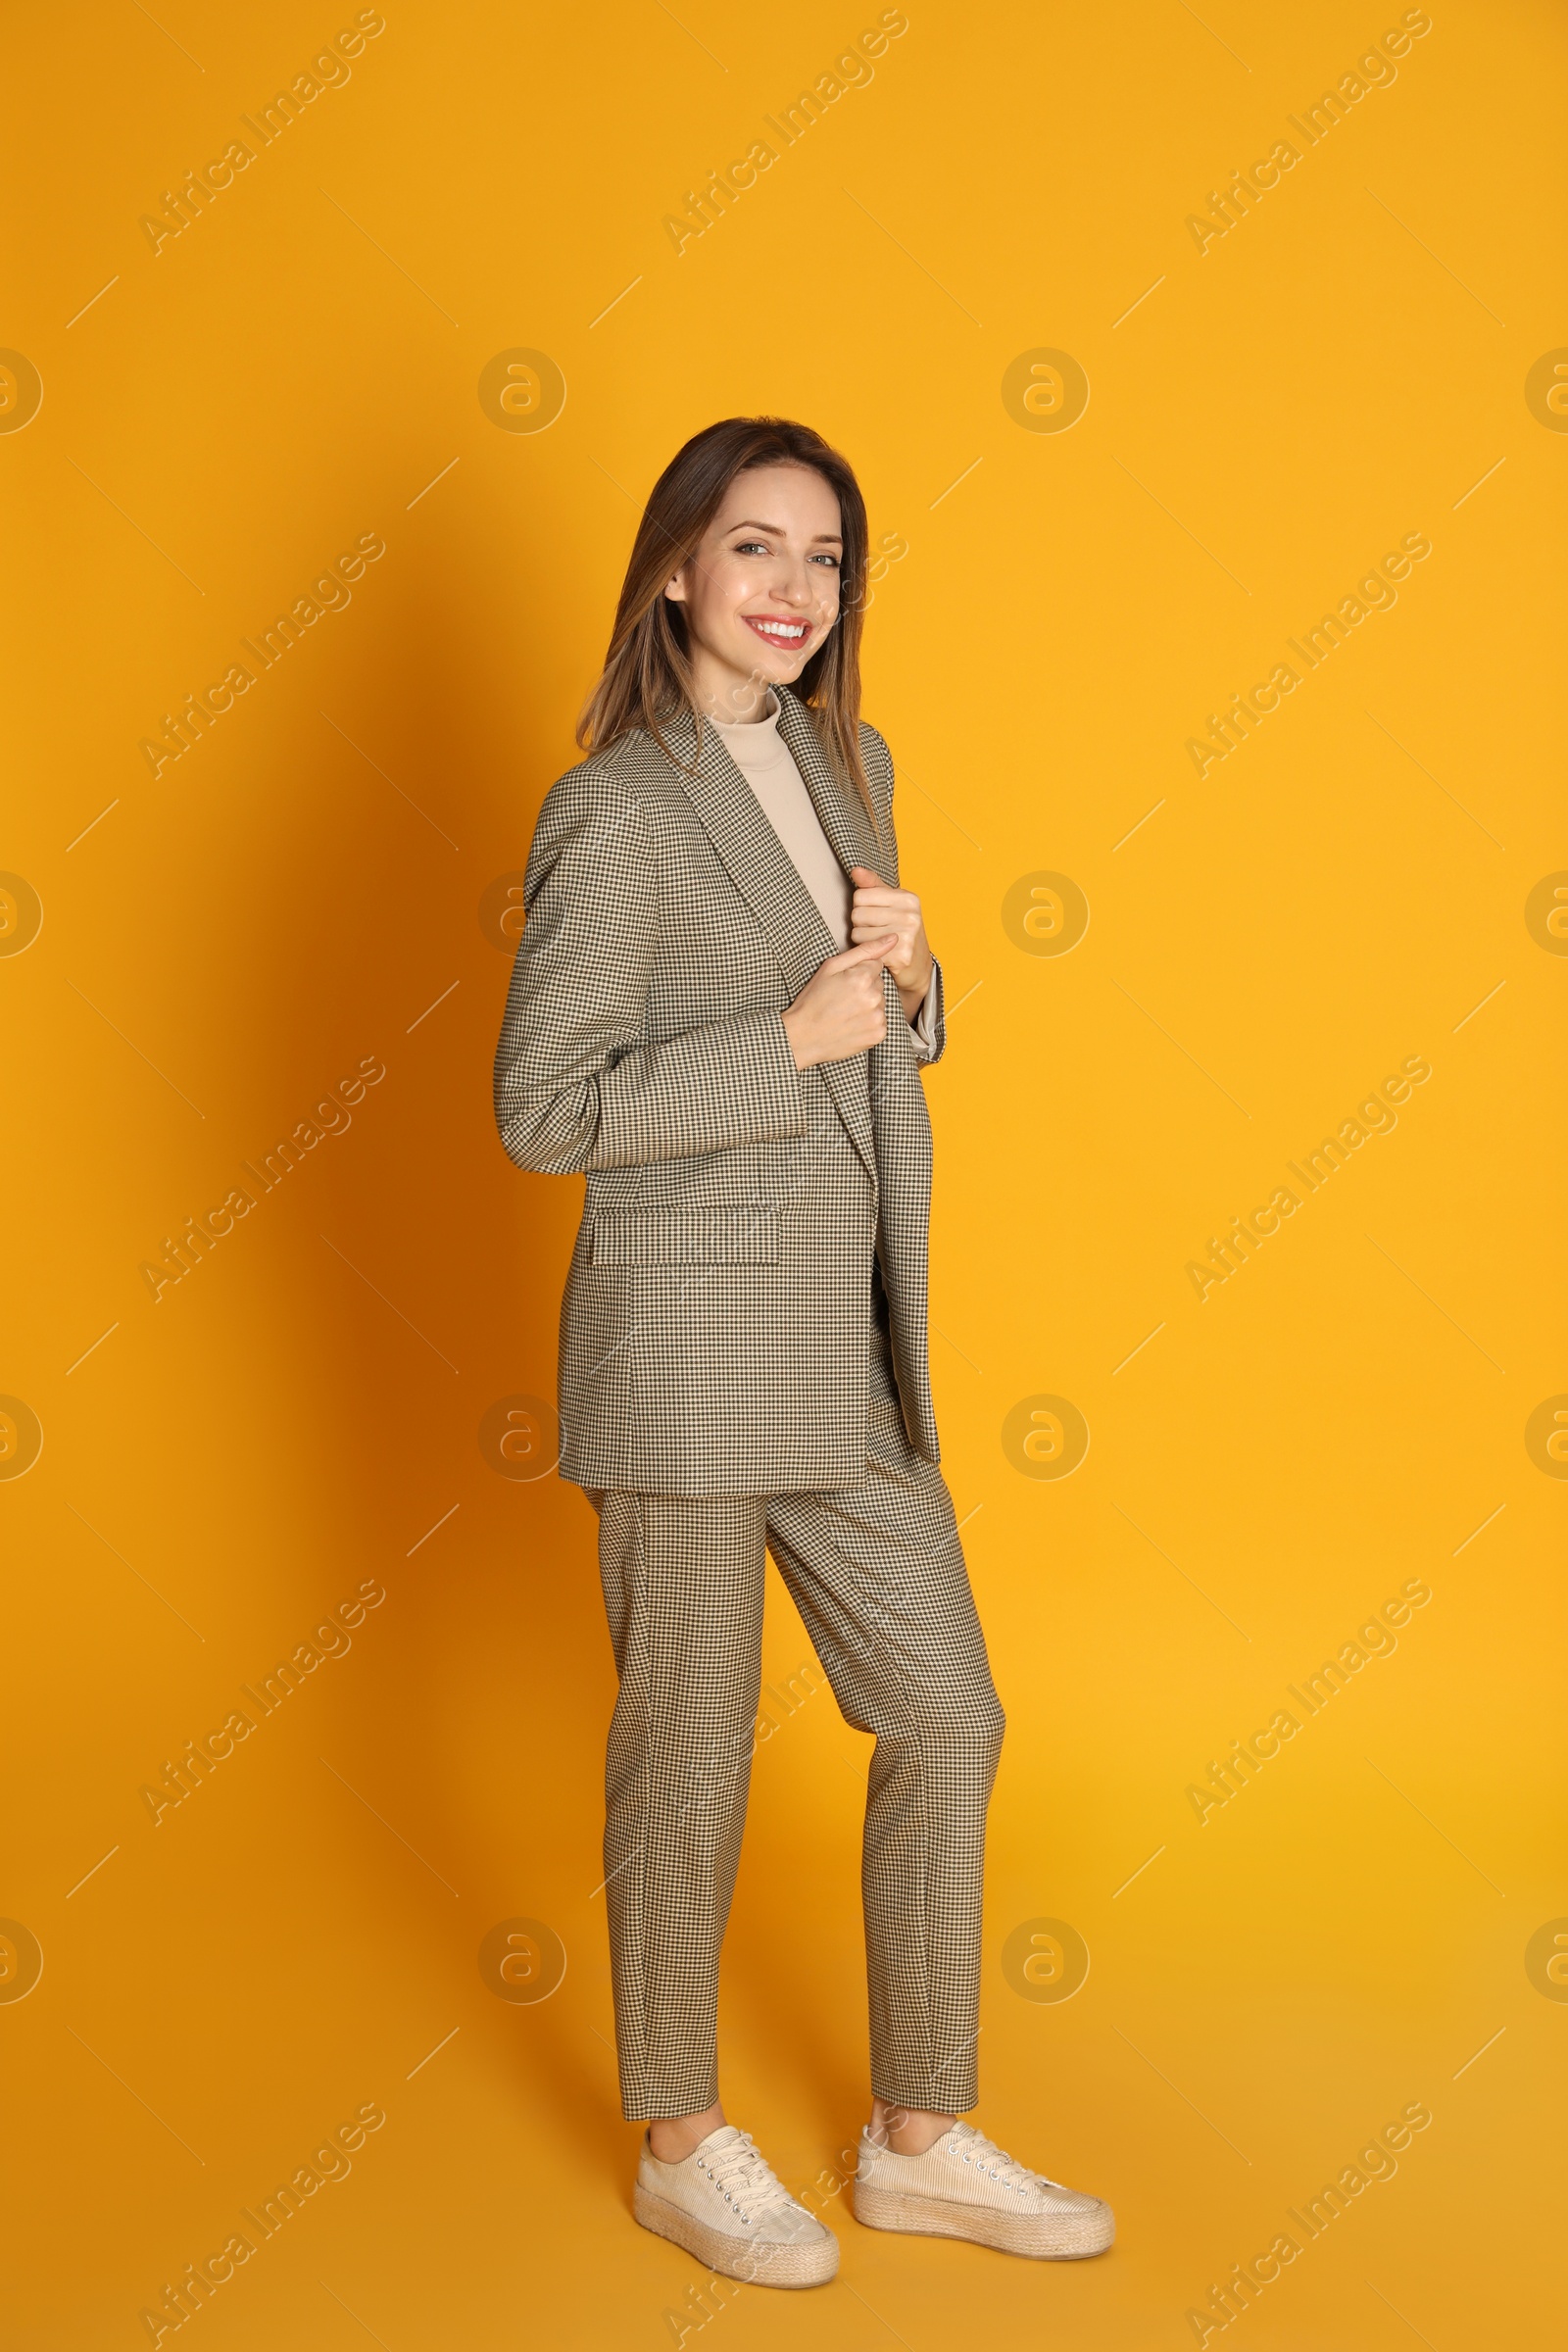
(763, 590)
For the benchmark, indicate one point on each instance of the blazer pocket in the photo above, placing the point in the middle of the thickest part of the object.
(670, 1237)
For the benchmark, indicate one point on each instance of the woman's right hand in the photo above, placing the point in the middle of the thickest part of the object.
(841, 1010)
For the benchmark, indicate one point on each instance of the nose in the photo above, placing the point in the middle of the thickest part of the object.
(807, 588)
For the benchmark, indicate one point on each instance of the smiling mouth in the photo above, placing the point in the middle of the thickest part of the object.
(787, 633)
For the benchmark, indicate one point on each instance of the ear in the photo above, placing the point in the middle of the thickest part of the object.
(674, 590)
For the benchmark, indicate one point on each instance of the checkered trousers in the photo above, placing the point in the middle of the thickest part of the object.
(877, 1572)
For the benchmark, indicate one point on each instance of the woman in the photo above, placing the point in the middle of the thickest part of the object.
(719, 1009)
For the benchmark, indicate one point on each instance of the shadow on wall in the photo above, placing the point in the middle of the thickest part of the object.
(414, 1278)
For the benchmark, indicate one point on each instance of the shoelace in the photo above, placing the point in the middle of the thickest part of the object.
(741, 2170)
(988, 2158)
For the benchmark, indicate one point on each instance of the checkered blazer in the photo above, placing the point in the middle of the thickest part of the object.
(718, 1312)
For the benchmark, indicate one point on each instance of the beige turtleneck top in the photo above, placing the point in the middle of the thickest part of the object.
(767, 765)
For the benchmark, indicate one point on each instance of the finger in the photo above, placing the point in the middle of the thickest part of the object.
(863, 873)
(864, 950)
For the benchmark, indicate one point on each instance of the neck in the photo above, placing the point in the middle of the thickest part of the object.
(733, 697)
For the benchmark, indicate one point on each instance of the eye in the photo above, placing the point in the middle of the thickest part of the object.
(835, 561)
(749, 547)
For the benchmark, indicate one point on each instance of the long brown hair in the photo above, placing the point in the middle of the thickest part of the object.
(647, 672)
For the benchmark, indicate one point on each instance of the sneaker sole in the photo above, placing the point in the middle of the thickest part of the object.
(1044, 2238)
(767, 2264)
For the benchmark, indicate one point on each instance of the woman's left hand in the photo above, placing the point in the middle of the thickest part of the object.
(876, 909)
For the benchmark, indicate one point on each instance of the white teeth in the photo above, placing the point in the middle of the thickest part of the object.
(779, 628)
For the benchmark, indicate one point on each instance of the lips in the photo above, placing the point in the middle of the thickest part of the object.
(776, 629)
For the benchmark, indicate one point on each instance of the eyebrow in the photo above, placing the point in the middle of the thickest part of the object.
(776, 530)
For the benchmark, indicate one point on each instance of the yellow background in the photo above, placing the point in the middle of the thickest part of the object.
(292, 894)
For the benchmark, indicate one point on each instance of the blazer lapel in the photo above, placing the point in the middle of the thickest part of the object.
(762, 871)
(855, 843)
(839, 814)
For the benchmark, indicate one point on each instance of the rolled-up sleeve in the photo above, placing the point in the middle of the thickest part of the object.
(928, 1030)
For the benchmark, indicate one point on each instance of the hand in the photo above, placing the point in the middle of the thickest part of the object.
(877, 909)
(841, 1010)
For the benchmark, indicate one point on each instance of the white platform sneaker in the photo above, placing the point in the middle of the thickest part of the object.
(725, 2204)
(966, 2186)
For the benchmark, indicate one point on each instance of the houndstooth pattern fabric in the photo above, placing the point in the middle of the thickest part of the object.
(713, 1337)
(877, 1570)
